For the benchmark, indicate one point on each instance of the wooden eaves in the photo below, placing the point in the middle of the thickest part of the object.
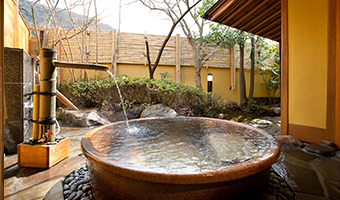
(260, 17)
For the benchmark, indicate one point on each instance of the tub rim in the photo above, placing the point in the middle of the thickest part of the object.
(211, 175)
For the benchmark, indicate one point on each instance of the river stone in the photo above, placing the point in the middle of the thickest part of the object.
(277, 110)
(83, 118)
(115, 116)
(288, 140)
(261, 122)
(328, 143)
(158, 110)
(134, 113)
(69, 179)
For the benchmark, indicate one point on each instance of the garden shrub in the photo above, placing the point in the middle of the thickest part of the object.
(186, 100)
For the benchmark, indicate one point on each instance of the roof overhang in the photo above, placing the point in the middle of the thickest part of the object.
(260, 17)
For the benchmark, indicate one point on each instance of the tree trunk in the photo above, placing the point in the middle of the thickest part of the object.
(252, 68)
(242, 79)
(151, 72)
(198, 73)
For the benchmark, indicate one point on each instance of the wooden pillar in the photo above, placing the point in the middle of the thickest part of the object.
(114, 46)
(178, 58)
(284, 67)
(232, 69)
(2, 99)
(333, 71)
(337, 86)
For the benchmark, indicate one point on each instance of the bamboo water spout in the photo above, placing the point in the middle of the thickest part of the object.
(48, 92)
(79, 65)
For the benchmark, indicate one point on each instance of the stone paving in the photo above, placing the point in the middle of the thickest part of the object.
(311, 176)
(33, 183)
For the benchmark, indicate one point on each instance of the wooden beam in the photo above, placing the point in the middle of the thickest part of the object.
(65, 101)
(222, 9)
(278, 34)
(307, 134)
(255, 19)
(251, 12)
(38, 29)
(237, 11)
(274, 30)
(265, 21)
(284, 68)
(269, 29)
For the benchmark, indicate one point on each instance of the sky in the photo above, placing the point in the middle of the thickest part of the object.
(135, 17)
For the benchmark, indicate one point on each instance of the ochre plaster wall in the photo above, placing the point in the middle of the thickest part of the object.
(307, 40)
(220, 78)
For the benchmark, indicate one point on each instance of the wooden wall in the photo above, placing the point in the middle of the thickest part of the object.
(16, 31)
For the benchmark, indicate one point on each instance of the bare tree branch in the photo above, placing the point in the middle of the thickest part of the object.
(211, 55)
(59, 37)
(170, 33)
(176, 19)
(35, 24)
(118, 36)
(77, 32)
(62, 26)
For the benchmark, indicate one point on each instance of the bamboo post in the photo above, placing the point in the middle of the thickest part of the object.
(60, 96)
(47, 97)
(35, 118)
(178, 58)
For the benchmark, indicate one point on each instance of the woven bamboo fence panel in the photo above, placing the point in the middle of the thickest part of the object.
(132, 50)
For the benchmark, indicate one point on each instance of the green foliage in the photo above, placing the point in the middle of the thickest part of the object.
(266, 50)
(205, 6)
(273, 71)
(143, 92)
(165, 75)
(224, 36)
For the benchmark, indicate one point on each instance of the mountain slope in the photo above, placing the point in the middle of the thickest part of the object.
(41, 14)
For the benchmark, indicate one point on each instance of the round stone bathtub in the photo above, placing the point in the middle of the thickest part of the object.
(129, 164)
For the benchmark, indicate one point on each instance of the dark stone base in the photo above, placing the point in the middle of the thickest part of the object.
(13, 136)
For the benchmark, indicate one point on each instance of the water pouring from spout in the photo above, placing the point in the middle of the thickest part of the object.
(121, 100)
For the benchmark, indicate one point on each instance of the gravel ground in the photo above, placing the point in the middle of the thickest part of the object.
(76, 186)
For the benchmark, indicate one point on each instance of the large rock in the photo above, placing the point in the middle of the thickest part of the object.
(158, 110)
(288, 140)
(10, 141)
(115, 116)
(83, 118)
